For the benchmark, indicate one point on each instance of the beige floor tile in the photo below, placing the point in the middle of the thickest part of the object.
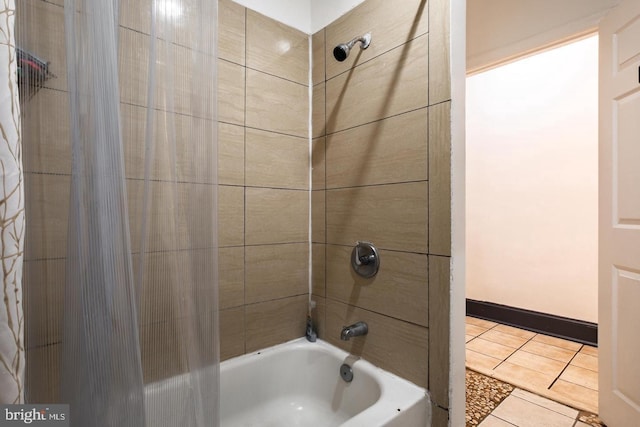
(570, 392)
(545, 403)
(585, 361)
(591, 351)
(581, 424)
(480, 322)
(526, 414)
(474, 330)
(515, 331)
(504, 339)
(523, 377)
(489, 348)
(580, 376)
(480, 362)
(558, 342)
(549, 351)
(468, 338)
(536, 362)
(492, 421)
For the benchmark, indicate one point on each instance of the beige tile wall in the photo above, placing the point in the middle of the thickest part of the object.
(263, 162)
(264, 172)
(379, 168)
(380, 159)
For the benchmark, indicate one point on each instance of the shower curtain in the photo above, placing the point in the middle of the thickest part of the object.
(12, 360)
(130, 290)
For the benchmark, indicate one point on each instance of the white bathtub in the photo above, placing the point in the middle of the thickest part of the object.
(298, 384)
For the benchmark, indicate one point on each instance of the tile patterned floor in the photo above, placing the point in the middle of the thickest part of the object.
(491, 402)
(561, 370)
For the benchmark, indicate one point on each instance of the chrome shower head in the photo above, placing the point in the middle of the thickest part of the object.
(341, 51)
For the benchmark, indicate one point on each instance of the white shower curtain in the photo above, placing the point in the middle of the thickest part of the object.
(139, 301)
(12, 359)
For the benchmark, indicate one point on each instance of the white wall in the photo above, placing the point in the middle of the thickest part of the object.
(531, 185)
(324, 12)
(498, 30)
(308, 16)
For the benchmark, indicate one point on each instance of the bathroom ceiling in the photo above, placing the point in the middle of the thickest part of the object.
(308, 16)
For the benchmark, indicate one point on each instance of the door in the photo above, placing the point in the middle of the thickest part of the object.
(619, 211)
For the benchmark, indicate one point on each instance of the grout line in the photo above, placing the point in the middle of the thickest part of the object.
(564, 369)
(540, 406)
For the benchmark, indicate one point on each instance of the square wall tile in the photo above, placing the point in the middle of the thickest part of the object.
(48, 42)
(161, 271)
(231, 277)
(230, 154)
(46, 136)
(42, 374)
(43, 301)
(387, 151)
(400, 289)
(400, 221)
(231, 332)
(318, 270)
(277, 49)
(47, 215)
(179, 215)
(318, 107)
(276, 216)
(133, 66)
(231, 93)
(231, 31)
(193, 160)
(440, 179)
(183, 84)
(133, 120)
(318, 49)
(276, 160)
(161, 351)
(276, 271)
(136, 15)
(318, 217)
(318, 163)
(394, 345)
(274, 322)
(277, 105)
(390, 26)
(439, 42)
(319, 315)
(393, 83)
(231, 208)
(439, 311)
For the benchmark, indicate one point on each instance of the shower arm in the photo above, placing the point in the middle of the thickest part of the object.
(365, 40)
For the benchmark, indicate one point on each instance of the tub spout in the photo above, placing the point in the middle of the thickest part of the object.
(355, 330)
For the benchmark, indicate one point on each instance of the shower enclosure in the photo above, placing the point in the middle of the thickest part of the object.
(118, 104)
